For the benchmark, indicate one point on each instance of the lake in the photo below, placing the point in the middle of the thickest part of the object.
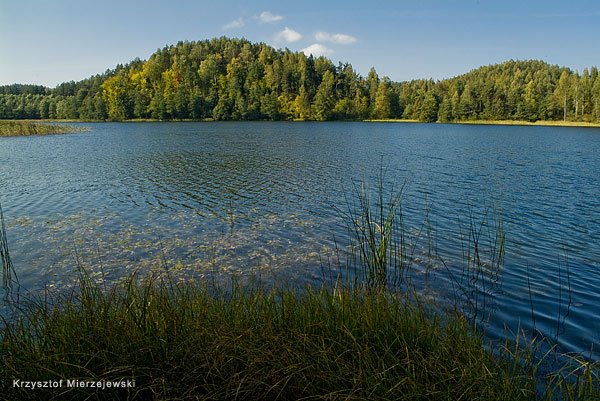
(241, 198)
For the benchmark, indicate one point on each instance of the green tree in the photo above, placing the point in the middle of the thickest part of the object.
(383, 100)
(585, 85)
(372, 84)
(344, 110)
(115, 91)
(596, 100)
(269, 106)
(429, 110)
(324, 99)
(562, 93)
(44, 110)
(302, 105)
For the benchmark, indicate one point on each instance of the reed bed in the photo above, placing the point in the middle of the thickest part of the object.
(26, 128)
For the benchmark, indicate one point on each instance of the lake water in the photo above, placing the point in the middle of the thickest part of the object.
(239, 198)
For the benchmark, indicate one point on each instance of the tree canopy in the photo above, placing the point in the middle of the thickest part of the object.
(234, 79)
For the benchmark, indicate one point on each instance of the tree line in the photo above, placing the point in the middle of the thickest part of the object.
(234, 79)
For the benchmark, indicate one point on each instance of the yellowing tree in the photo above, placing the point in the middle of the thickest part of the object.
(115, 91)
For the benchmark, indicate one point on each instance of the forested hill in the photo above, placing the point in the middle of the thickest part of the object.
(225, 79)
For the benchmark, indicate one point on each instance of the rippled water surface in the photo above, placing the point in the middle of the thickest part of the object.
(199, 198)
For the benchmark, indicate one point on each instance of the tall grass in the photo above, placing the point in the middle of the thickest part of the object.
(193, 342)
(382, 257)
(483, 245)
(379, 251)
(9, 276)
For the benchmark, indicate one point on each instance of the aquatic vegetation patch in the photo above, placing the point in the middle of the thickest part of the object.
(26, 128)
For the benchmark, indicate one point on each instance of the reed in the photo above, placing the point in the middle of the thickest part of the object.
(379, 253)
(9, 276)
(26, 128)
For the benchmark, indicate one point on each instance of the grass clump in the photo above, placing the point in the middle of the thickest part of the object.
(378, 246)
(196, 342)
(26, 128)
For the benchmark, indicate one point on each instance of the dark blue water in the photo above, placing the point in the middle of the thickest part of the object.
(237, 198)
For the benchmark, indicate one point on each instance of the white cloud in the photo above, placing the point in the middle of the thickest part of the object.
(267, 16)
(235, 24)
(288, 35)
(317, 49)
(339, 38)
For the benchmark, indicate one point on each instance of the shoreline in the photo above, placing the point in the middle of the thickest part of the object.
(543, 123)
(15, 128)
(539, 123)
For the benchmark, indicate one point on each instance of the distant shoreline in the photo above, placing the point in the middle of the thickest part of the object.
(542, 123)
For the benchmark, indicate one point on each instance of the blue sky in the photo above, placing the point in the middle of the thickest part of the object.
(49, 42)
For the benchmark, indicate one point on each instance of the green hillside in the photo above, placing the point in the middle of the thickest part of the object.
(234, 79)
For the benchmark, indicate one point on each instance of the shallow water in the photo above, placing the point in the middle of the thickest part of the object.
(239, 198)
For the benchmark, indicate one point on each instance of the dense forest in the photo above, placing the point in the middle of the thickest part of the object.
(233, 79)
